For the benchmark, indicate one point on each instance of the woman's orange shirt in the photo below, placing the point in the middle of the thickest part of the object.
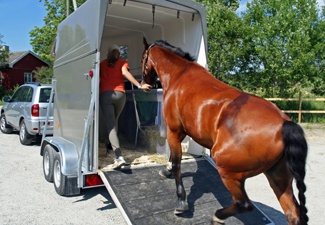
(111, 78)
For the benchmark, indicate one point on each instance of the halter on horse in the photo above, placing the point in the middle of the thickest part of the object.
(247, 135)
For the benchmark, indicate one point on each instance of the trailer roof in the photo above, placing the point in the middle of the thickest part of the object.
(160, 10)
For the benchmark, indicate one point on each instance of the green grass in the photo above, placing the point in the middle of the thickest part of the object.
(306, 105)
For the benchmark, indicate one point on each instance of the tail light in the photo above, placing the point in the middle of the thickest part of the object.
(35, 110)
(93, 180)
(91, 74)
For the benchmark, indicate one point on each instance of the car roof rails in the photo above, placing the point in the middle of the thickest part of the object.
(34, 83)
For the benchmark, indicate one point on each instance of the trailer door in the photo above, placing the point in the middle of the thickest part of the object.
(77, 53)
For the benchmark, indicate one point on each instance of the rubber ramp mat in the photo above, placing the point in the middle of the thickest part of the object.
(149, 199)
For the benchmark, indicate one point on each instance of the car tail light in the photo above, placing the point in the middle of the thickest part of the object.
(35, 110)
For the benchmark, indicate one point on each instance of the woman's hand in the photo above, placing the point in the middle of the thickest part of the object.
(146, 87)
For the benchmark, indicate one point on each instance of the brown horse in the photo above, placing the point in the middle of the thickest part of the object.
(247, 135)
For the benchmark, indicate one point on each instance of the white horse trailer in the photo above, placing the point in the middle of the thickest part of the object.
(71, 157)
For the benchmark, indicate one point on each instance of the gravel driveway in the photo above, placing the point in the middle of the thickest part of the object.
(26, 198)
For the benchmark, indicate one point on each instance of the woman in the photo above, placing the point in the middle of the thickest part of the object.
(112, 97)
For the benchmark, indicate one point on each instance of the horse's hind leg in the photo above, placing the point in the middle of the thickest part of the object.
(242, 204)
(280, 180)
(174, 140)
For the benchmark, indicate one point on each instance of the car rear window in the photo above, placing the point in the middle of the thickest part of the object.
(45, 94)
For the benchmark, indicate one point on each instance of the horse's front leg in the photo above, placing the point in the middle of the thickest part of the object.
(174, 140)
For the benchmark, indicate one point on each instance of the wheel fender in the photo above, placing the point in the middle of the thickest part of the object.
(68, 153)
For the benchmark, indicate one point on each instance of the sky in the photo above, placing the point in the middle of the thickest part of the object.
(19, 17)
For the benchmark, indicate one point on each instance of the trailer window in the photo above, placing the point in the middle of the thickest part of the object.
(124, 51)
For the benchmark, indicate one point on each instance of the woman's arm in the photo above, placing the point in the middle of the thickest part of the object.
(126, 73)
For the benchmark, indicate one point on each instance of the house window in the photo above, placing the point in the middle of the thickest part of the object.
(28, 77)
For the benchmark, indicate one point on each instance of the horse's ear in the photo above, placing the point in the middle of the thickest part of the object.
(145, 43)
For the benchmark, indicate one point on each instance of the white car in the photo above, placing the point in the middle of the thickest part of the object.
(26, 112)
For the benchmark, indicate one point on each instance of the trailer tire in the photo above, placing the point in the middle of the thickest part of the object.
(48, 158)
(58, 178)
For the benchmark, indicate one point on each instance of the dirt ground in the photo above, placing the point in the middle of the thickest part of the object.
(26, 198)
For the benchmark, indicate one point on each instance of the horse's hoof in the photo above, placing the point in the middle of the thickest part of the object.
(216, 219)
(178, 211)
(166, 173)
(182, 207)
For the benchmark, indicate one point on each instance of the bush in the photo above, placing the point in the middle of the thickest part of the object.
(5, 93)
(44, 75)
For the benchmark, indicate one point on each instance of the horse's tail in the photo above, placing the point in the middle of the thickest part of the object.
(296, 154)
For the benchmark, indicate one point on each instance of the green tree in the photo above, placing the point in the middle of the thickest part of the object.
(44, 75)
(274, 48)
(220, 19)
(226, 32)
(283, 44)
(4, 54)
(319, 49)
(42, 38)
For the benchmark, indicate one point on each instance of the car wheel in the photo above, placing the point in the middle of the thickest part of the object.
(48, 158)
(24, 136)
(58, 177)
(4, 127)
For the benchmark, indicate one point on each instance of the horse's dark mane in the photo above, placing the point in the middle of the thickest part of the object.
(176, 50)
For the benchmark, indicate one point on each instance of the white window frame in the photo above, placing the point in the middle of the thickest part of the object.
(28, 77)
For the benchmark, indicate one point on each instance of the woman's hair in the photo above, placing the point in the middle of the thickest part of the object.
(112, 57)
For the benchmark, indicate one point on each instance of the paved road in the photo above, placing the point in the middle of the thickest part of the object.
(26, 198)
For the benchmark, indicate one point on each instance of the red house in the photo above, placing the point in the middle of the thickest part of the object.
(19, 69)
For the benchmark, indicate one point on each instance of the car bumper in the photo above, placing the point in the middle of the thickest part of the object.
(37, 127)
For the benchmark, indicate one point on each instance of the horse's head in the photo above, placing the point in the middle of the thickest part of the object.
(148, 71)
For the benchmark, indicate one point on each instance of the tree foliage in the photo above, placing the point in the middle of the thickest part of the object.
(274, 48)
(4, 54)
(283, 40)
(42, 38)
(319, 49)
(44, 75)
(226, 52)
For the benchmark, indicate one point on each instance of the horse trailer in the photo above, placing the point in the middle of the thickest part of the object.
(75, 157)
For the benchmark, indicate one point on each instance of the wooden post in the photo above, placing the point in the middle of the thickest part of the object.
(300, 105)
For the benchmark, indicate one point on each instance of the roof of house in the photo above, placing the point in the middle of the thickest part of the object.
(15, 57)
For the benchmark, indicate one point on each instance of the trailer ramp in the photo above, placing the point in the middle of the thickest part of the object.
(144, 197)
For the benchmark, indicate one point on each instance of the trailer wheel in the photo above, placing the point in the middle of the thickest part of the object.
(48, 158)
(58, 177)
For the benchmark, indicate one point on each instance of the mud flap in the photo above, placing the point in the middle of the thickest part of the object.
(71, 186)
